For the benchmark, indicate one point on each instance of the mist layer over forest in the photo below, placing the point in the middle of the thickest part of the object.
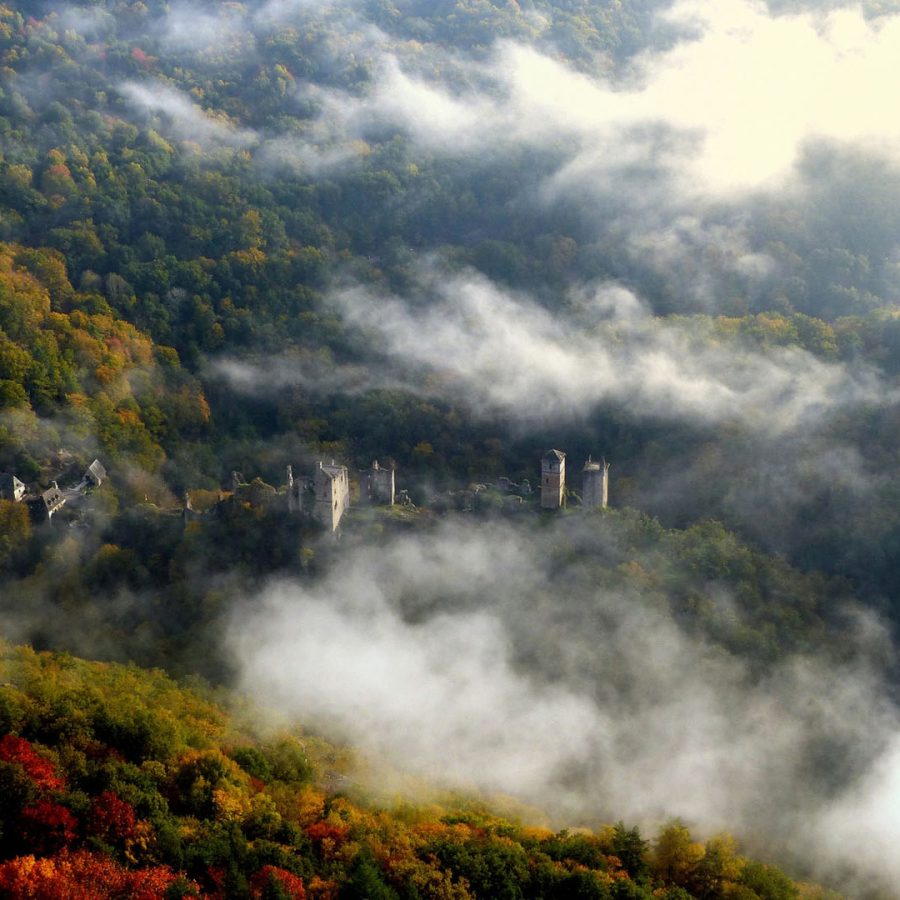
(450, 236)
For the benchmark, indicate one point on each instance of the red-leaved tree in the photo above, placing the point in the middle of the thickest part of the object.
(41, 771)
(273, 877)
(82, 876)
(112, 819)
(47, 827)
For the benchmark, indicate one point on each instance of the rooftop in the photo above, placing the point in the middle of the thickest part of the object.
(53, 498)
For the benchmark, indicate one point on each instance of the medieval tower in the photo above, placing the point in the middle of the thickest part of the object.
(553, 479)
(595, 484)
(332, 487)
(377, 485)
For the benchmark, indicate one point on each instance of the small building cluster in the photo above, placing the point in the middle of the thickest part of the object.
(44, 504)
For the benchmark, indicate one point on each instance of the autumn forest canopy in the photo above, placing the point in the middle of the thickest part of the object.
(449, 236)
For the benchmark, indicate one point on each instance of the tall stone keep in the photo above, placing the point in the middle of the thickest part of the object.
(379, 485)
(595, 484)
(553, 479)
(332, 488)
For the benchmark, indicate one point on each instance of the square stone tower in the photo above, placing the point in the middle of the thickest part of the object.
(553, 479)
(378, 485)
(332, 487)
(595, 484)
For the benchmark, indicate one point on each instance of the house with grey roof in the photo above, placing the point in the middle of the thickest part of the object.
(11, 488)
(95, 473)
(47, 503)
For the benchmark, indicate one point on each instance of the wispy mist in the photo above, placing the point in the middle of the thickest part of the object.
(504, 351)
(182, 118)
(186, 28)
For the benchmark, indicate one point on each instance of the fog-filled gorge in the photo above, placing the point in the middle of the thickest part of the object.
(451, 236)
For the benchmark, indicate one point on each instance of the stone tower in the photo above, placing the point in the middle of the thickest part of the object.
(332, 487)
(379, 485)
(595, 484)
(553, 479)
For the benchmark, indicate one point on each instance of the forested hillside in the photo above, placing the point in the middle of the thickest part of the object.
(236, 237)
(118, 783)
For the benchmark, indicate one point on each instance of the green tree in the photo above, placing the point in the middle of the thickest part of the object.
(15, 531)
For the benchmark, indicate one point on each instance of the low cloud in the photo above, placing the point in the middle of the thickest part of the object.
(182, 118)
(277, 10)
(187, 28)
(319, 376)
(428, 111)
(682, 168)
(54, 442)
(502, 351)
(91, 22)
(310, 157)
(727, 129)
(460, 656)
(697, 113)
